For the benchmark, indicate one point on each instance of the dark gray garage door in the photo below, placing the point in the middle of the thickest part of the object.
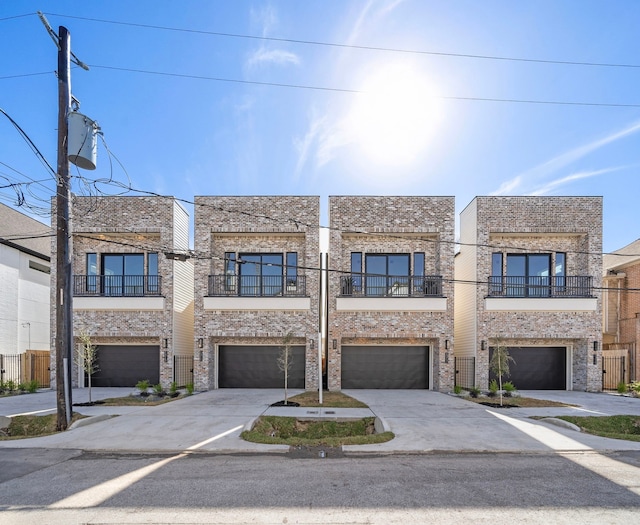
(257, 367)
(537, 368)
(387, 367)
(126, 365)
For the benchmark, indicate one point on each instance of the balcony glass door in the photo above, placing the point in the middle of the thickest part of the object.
(528, 275)
(261, 274)
(123, 274)
(387, 274)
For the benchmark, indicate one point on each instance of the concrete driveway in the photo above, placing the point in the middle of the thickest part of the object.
(423, 421)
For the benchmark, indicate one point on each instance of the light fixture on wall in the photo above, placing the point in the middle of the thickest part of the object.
(201, 355)
(446, 357)
(595, 346)
(311, 344)
(200, 343)
(595, 352)
(446, 344)
(166, 356)
(483, 345)
(334, 343)
(165, 343)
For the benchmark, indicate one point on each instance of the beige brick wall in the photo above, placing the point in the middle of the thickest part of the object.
(124, 225)
(542, 225)
(265, 224)
(392, 225)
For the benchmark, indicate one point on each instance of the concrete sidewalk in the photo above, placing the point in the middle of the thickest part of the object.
(423, 422)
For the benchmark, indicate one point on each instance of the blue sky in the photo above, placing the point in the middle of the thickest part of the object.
(353, 120)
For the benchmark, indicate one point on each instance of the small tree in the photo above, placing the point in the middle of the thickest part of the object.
(499, 364)
(285, 360)
(87, 357)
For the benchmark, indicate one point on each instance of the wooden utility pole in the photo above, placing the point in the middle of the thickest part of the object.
(63, 301)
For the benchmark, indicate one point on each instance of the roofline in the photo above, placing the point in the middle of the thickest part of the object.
(26, 250)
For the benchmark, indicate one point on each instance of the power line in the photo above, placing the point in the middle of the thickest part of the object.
(353, 46)
(356, 91)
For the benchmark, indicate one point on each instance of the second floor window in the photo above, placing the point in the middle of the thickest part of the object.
(122, 274)
(264, 274)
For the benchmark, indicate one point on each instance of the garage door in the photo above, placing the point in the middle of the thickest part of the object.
(126, 365)
(257, 367)
(537, 368)
(388, 367)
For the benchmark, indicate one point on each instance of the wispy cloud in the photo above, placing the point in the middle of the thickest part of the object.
(272, 56)
(266, 19)
(528, 181)
(552, 185)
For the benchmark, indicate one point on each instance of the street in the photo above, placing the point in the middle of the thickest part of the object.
(71, 486)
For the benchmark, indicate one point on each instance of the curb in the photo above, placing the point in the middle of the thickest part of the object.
(89, 421)
(561, 423)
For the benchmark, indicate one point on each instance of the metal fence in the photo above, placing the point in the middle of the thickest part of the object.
(117, 285)
(257, 286)
(22, 368)
(367, 285)
(183, 370)
(540, 286)
(614, 372)
(465, 375)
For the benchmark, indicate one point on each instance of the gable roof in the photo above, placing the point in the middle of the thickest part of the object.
(24, 233)
(625, 256)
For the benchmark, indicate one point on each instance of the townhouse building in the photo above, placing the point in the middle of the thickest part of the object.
(528, 278)
(390, 292)
(132, 289)
(257, 283)
(621, 315)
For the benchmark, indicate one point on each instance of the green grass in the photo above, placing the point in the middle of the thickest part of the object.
(329, 399)
(616, 427)
(274, 430)
(33, 426)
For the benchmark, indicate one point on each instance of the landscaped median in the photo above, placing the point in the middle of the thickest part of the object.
(310, 431)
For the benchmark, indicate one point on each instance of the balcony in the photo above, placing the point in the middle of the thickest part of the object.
(118, 292)
(257, 286)
(540, 287)
(540, 294)
(363, 285)
(391, 293)
(116, 285)
(276, 293)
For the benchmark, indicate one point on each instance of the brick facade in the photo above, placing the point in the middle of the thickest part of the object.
(392, 225)
(125, 225)
(545, 225)
(267, 225)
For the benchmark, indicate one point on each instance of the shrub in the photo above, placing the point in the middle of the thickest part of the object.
(474, 391)
(10, 385)
(509, 388)
(457, 389)
(173, 388)
(189, 387)
(493, 388)
(635, 387)
(158, 389)
(143, 386)
(622, 387)
(32, 386)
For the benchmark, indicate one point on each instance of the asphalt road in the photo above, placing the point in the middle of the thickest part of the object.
(68, 487)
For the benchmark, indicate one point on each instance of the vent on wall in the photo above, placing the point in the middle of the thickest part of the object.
(39, 267)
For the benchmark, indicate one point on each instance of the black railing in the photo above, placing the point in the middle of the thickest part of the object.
(537, 286)
(116, 285)
(257, 286)
(364, 285)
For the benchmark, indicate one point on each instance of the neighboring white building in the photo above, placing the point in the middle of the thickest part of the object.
(25, 254)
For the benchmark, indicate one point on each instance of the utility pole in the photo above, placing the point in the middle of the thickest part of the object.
(64, 306)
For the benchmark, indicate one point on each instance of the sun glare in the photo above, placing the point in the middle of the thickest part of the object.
(394, 117)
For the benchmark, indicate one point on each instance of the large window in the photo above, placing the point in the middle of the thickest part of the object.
(123, 274)
(528, 274)
(261, 274)
(387, 274)
(292, 270)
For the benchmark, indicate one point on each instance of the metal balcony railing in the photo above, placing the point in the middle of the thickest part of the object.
(117, 285)
(364, 285)
(257, 286)
(537, 286)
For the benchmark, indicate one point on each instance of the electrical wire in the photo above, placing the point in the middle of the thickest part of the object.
(353, 46)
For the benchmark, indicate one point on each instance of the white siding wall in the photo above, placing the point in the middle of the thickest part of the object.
(183, 286)
(466, 294)
(24, 298)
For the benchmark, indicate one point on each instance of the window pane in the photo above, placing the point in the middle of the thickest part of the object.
(539, 265)
(516, 265)
(134, 264)
(152, 264)
(398, 264)
(561, 264)
(92, 264)
(230, 263)
(292, 267)
(496, 264)
(356, 262)
(418, 264)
